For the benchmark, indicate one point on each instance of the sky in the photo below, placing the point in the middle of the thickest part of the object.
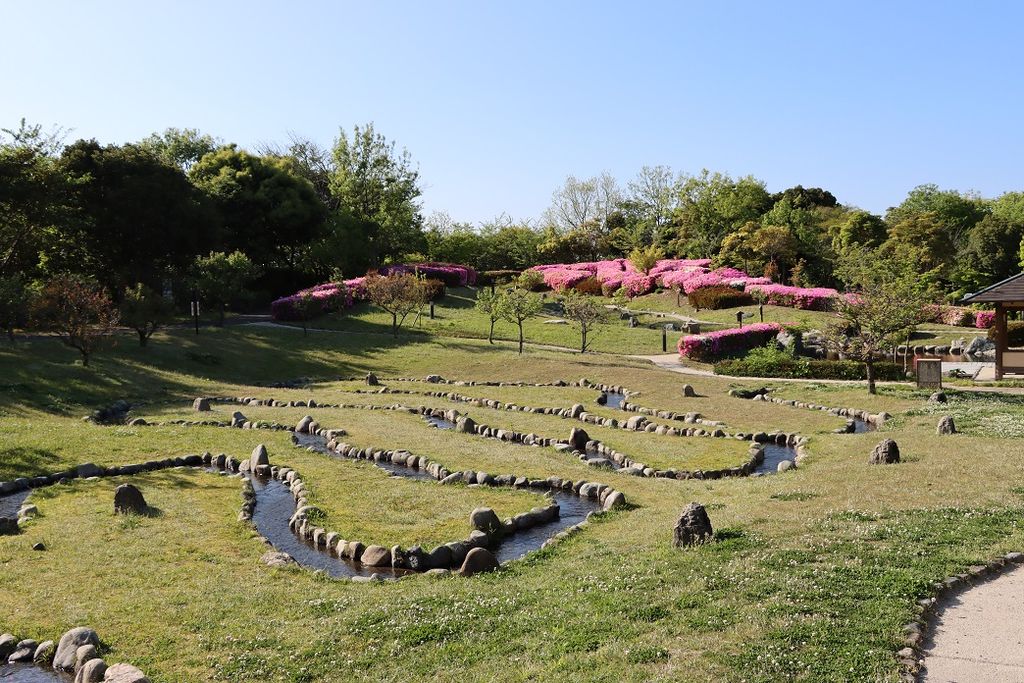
(498, 102)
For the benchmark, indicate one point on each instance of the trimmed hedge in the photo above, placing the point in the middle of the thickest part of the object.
(590, 286)
(810, 369)
(718, 297)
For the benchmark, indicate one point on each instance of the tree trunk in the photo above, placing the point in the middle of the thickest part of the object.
(870, 367)
(520, 339)
(85, 358)
(143, 337)
(490, 333)
(305, 332)
(394, 325)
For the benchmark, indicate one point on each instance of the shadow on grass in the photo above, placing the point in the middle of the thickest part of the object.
(23, 461)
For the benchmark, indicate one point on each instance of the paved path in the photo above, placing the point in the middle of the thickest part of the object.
(979, 635)
(670, 362)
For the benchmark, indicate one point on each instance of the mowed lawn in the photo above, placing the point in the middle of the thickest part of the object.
(811, 576)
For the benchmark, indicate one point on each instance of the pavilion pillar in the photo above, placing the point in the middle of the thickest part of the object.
(1001, 339)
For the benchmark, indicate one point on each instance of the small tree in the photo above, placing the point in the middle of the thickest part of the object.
(888, 300)
(15, 299)
(221, 277)
(306, 308)
(517, 306)
(487, 303)
(399, 295)
(79, 311)
(585, 313)
(145, 311)
(645, 258)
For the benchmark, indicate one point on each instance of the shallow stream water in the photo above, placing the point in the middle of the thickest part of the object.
(11, 503)
(27, 673)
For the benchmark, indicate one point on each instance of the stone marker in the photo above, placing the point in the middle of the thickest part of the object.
(885, 453)
(67, 648)
(303, 426)
(128, 500)
(693, 527)
(201, 405)
(946, 426)
(688, 391)
(478, 560)
(259, 457)
(578, 439)
(371, 380)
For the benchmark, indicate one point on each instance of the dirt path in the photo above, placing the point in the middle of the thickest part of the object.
(979, 635)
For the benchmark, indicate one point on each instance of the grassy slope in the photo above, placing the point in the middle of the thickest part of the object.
(811, 578)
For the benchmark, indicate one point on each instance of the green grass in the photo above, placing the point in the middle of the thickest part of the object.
(811, 577)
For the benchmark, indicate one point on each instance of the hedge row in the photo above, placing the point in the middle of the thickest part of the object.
(810, 369)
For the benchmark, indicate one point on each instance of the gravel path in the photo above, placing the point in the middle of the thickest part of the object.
(979, 635)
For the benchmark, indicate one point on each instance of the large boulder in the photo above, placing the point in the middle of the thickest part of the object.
(693, 527)
(576, 410)
(303, 426)
(124, 673)
(376, 556)
(578, 439)
(259, 457)
(465, 424)
(371, 380)
(238, 419)
(92, 671)
(201, 405)
(128, 500)
(938, 397)
(485, 520)
(636, 423)
(8, 644)
(67, 647)
(885, 453)
(946, 425)
(688, 391)
(439, 558)
(478, 560)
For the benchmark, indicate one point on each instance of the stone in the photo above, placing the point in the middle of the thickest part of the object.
(946, 425)
(124, 673)
(478, 560)
(138, 422)
(466, 425)
(44, 653)
(371, 380)
(67, 647)
(259, 457)
(885, 453)
(938, 397)
(8, 644)
(376, 556)
(438, 558)
(23, 651)
(578, 439)
(693, 526)
(238, 419)
(40, 546)
(688, 391)
(92, 671)
(89, 469)
(303, 426)
(434, 379)
(8, 526)
(275, 558)
(485, 520)
(785, 466)
(615, 499)
(128, 500)
(201, 405)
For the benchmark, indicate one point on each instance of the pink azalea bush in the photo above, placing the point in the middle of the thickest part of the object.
(984, 319)
(452, 274)
(804, 298)
(614, 274)
(327, 298)
(714, 345)
(959, 316)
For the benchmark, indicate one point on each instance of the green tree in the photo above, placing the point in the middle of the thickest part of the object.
(268, 210)
(220, 278)
(517, 306)
(585, 313)
(15, 303)
(859, 229)
(645, 258)
(378, 186)
(776, 246)
(145, 310)
(398, 295)
(487, 303)
(711, 206)
(180, 147)
(888, 300)
(953, 212)
(79, 311)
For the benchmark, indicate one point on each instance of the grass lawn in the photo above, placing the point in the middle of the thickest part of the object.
(811, 576)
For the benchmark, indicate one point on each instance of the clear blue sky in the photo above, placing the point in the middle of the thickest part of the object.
(498, 102)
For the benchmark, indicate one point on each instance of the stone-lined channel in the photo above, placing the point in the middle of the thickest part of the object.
(275, 506)
(29, 673)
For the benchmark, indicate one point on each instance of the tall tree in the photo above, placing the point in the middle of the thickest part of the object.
(220, 278)
(180, 147)
(711, 206)
(953, 212)
(378, 186)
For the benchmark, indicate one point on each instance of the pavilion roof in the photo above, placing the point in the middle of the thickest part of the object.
(1010, 289)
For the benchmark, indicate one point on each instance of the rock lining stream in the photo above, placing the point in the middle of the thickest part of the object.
(29, 673)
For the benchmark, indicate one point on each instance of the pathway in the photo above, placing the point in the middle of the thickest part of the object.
(979, 635)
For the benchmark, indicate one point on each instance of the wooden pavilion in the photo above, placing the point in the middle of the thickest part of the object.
(1007, 296)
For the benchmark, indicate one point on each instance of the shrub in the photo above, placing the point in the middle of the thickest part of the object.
(730, 342)
(1014, 333)
(590, 286)
(531, 280)
(327, 298)
(717, 297)
(802, 368)
(496, 277)
(435, 289)
(804, 298)
(984, 319)
(452, 274)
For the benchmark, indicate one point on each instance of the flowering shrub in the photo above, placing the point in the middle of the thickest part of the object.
(804, 298)
(328, 297)
(715, 298)
(451, 274)
(561, 279)
(715, 345)
(984, 319)
(959, 316)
